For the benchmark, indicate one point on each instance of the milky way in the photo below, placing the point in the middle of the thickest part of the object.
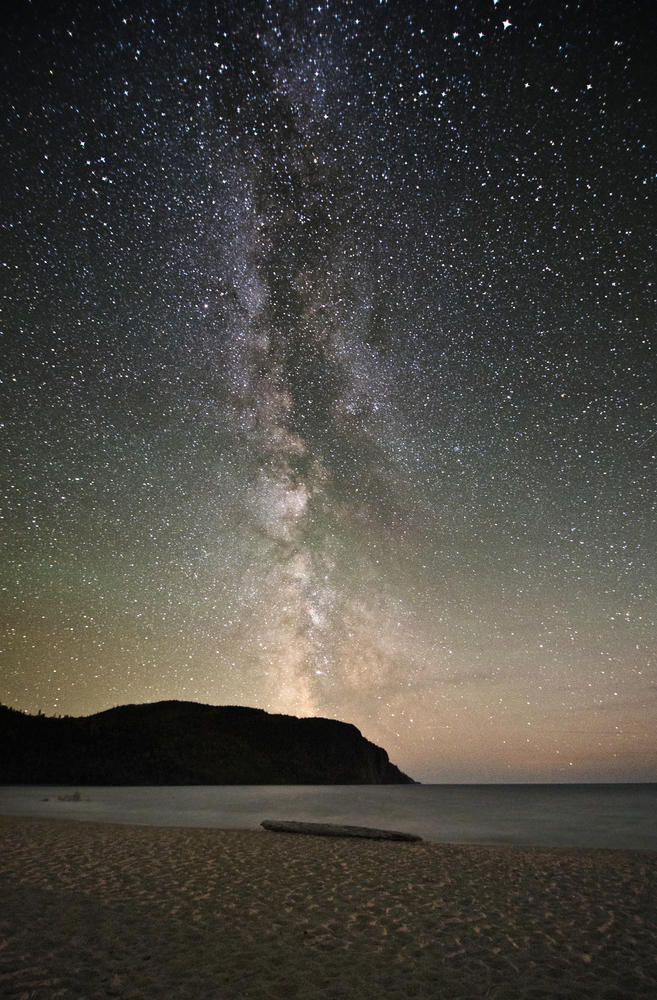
(329, 380)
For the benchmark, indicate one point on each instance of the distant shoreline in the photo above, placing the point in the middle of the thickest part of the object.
(173, 743)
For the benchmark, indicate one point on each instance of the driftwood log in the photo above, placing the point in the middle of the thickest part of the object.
(336, 830)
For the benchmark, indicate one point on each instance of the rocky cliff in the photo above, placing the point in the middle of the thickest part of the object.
(183, 743)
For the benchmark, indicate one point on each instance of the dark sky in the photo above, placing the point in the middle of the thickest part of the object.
(329, 383)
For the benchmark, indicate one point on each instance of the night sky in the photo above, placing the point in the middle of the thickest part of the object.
(329, 382)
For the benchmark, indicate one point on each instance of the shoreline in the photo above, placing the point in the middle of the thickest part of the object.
(95, 909)
(617, 819)
(493, 845)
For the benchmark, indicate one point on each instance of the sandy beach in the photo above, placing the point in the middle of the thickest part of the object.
(97, 910)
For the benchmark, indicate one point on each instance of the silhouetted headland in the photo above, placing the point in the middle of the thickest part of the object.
(184, 743)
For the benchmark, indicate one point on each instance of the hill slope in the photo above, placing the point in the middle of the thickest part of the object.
(184, 743)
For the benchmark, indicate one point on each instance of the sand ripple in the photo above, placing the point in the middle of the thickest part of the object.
(96, 910)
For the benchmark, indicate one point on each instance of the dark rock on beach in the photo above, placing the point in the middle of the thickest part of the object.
(336, 830)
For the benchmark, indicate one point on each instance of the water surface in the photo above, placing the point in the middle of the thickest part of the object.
(612, 816)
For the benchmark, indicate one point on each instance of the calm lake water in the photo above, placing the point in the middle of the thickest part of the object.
(616, 816)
